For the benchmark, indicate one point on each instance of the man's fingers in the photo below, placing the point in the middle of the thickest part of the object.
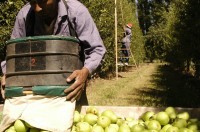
(77, 97)
(72, 77)
(72, 87)
(73, 95)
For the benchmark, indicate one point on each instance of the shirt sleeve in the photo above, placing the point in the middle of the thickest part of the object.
(88, 34)
(19, 26)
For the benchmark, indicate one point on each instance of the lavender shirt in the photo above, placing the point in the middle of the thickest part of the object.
(82, 22)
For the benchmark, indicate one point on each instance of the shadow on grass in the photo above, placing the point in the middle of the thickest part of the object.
(172, 89)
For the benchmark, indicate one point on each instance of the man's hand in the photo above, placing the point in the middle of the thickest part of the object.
(3, 83)
(75, 90)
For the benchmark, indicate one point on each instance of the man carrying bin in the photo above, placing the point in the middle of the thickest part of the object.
(55, 17)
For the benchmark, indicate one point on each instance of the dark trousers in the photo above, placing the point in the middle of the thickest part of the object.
(125, 54)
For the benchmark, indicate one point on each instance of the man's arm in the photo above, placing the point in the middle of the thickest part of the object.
(94, 51)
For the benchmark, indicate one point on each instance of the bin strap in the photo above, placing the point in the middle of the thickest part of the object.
(37, 90)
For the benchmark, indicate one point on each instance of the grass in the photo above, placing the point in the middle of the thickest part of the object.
(154, 84)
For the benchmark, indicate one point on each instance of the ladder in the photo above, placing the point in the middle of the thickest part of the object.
(125, 67)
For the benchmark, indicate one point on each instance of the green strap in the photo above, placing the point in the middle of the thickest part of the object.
(13, 92)
(37, 90)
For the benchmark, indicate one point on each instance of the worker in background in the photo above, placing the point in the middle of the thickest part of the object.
(49, 17)
(126, 43)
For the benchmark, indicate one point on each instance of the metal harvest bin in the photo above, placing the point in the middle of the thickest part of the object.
(41, 60)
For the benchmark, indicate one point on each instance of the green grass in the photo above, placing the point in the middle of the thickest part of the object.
(156, 85)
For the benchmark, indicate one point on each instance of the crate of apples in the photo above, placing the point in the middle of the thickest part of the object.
(165, 120)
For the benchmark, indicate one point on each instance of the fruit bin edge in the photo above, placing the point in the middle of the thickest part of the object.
(134, 111)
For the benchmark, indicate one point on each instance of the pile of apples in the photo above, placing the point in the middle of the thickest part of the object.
(168, 120)
(22, 126)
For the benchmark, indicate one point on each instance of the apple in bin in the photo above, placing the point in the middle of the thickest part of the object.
(97, 128)
(137, 128)
(110, 114)
(120, 121)
(147, 115)
(154, 125)
(170, 110)
(172, 129)
(83, 127)
(180, 123)
(90, 118)
(77, 117)
(93, 110)
(20, 126)
(124, 128)
(112, 128)
(165, 127)
(162, 117)
(183, 115)
(10, 129)
(103, 121)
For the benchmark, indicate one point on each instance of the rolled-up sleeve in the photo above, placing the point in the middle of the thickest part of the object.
(89, 35)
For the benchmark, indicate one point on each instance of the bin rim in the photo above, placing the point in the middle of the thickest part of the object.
(44, 37)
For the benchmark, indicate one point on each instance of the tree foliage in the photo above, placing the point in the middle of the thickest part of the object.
(174, 36)
(8, 12)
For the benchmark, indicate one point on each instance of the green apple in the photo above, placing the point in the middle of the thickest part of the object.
(193, 126)
(124, 128)
(184, 130)
(111, 128)
(120, 121)
(103, 121)
(154, 125)
(77, 117)
(115, 126)
(183, 115)
(82, 116)
(110, 114)
(73, 129)
(137, 128)
(97, 128)
(93, 110)
(172, 116)
(90, 118)
(20, 126)
(83, 127)
(172, 129)
(141, 122)
(170, 110)
(34, 130)
(131, 123)
(162, 117)
(147, 115)
(10, 129)
(180, 123)
(164, 128)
